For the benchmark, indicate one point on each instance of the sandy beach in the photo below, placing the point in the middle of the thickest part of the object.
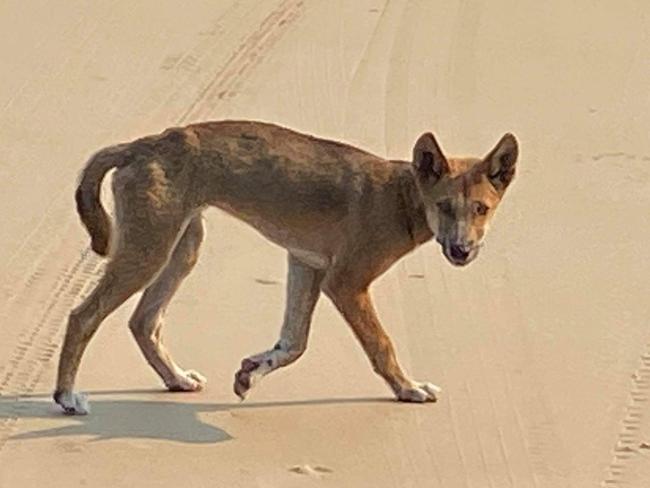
(542, 346)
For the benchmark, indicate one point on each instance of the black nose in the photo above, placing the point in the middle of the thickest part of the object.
(459, 252)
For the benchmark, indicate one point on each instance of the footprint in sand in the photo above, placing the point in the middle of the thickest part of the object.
(308, 470)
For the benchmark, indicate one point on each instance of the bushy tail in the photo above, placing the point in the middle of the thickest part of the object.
(89, 206)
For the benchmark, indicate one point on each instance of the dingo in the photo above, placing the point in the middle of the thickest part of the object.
(344, 216)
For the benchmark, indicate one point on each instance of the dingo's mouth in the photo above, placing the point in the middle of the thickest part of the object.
(459, 255)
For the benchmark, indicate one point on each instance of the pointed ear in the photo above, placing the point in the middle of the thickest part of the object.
(500, 162)
(429, 162)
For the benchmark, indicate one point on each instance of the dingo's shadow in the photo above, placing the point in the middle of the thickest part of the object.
(139, 419)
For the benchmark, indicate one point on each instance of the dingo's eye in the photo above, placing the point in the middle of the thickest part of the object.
(444, 206)
(480, 208)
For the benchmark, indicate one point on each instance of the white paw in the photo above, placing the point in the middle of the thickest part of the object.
(189, 380)
(73, 403)
(419, 393)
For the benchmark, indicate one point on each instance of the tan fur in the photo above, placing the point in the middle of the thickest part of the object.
(344, 215)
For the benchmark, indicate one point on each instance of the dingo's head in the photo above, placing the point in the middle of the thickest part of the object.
(460, 195)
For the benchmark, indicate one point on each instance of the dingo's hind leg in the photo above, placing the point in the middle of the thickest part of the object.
(303, 290)
(136, 262)
(147, 320)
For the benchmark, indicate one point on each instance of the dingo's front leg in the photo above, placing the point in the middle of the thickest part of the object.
(303, 290)
(357, 308)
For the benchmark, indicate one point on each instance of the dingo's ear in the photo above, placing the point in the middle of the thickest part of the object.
(429, 162)
(500, 162)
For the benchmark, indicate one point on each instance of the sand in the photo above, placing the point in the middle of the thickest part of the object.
(541, 345)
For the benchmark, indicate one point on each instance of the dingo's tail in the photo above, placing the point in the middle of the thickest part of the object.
(89, 206)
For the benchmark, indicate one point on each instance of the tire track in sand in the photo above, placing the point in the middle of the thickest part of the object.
(631, 446)
(42, 329)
